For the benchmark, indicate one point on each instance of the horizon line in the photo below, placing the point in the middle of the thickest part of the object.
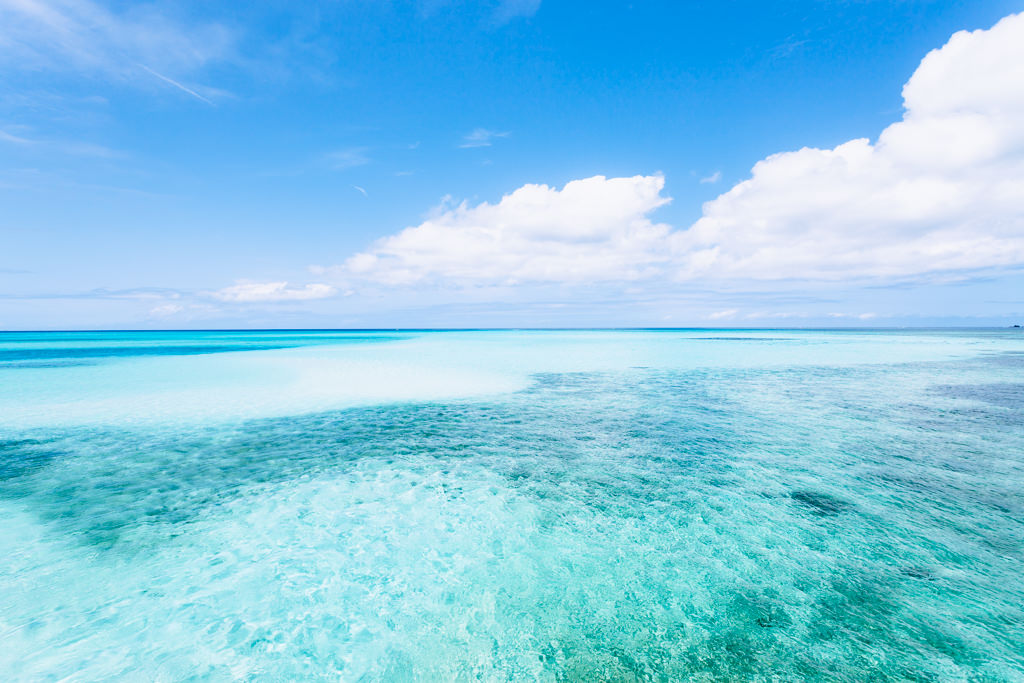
(522, 329)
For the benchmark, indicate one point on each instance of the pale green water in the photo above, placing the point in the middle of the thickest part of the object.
(634, 505)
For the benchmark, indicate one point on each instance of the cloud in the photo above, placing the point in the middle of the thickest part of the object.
(142, 293)
(857, 316)
(711, 179)
(135, 44)
(481, 137)
(166, 310)
(251, 292)
(15, 139)
(508, 10)
(590, 230)
(941, 190)
(137, 293)
(347, 158)
(723, 315)
(495, 13)
(940, 193)
(70, 147)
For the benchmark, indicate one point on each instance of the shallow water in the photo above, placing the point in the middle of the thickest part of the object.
(635, 505)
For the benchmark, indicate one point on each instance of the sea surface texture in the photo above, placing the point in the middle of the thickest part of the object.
(496, 505)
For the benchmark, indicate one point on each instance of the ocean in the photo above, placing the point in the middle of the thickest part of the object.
(628, 505)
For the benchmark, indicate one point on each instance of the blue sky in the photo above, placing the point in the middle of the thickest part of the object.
(186, 165)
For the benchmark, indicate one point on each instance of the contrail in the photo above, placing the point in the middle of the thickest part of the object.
(175, 83)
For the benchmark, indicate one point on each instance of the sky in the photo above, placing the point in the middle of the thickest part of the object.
(511, 163)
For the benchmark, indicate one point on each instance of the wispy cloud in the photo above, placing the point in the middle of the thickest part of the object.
(165, 310)
(856, 316)
(481, 137)
(711, 179)
(136, 294)
(253, 292)
(347, 158)
(508, 10)
(787, 47)
(34, 179)
(723, 315)
(361, 190)
(72, 147)
(84, 37)
(15, 139)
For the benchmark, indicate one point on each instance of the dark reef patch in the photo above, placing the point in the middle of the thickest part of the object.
(47, 354)
(922, 573)
(1009, 359)
(819, 503)
(31, 364)
(19, 457)
(1003, 395)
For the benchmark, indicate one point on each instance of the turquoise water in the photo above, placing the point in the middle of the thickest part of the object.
(632, 505)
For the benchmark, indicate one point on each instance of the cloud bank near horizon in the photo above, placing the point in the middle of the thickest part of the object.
(253, 292)
(939, 192)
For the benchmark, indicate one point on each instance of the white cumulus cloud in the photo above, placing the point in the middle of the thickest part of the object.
(940, 191)
(595, 229)
(249, 292)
